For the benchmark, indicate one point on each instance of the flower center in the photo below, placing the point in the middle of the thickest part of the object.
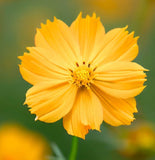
(82, 76)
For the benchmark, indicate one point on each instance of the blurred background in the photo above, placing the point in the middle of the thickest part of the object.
(18, 22)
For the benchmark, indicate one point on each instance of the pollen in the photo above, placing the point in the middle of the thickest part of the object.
(82, 76)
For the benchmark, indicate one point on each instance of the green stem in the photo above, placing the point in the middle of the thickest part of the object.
(74, 148)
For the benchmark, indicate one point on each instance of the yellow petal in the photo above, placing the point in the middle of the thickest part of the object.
(88, 33)
(116, 111)
(121, 79)
(73, 126)
(120, 66)
(87, 112)
(72, 123)
(90, 109)
(50, 101)
(44, 86)
(40, 65)
(31, 77)
(116, 45)
(57, 35)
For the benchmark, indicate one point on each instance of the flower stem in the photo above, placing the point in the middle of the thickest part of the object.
(74, 148)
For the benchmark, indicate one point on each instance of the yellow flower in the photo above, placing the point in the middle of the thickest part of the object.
(16, 143)
(111, 9)
(139, 141)
(83, 75)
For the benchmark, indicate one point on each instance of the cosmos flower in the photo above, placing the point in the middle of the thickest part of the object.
(17, 143)
(83, 75)
(112, 10)
(137, 142)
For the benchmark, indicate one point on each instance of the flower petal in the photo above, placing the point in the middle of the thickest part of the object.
(72, 124)
(116, 111)
(121, 79)
(88, 33)
(86, 113)
(50, 101)
(58, 36)
(40, 65)
(116, 45)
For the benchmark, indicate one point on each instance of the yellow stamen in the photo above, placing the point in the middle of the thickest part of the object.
(82, 76)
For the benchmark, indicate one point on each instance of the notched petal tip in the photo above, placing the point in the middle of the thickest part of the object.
(129, 123)
(48, 21)
(137, 37)
(20, 57)
(125, 27)
(144, 86)
(25, 102)
(80, 15)
(29, 48)
(131, 35)
(146, 70)
(55, 19)
(136, 111)
(42, 25)
(141, 89)
(87, 16)
(23, 57)
(94, 15)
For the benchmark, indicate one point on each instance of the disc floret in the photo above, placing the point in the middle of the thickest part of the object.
(82, 75)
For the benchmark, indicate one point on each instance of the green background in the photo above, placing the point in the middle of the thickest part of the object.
(18, 22)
